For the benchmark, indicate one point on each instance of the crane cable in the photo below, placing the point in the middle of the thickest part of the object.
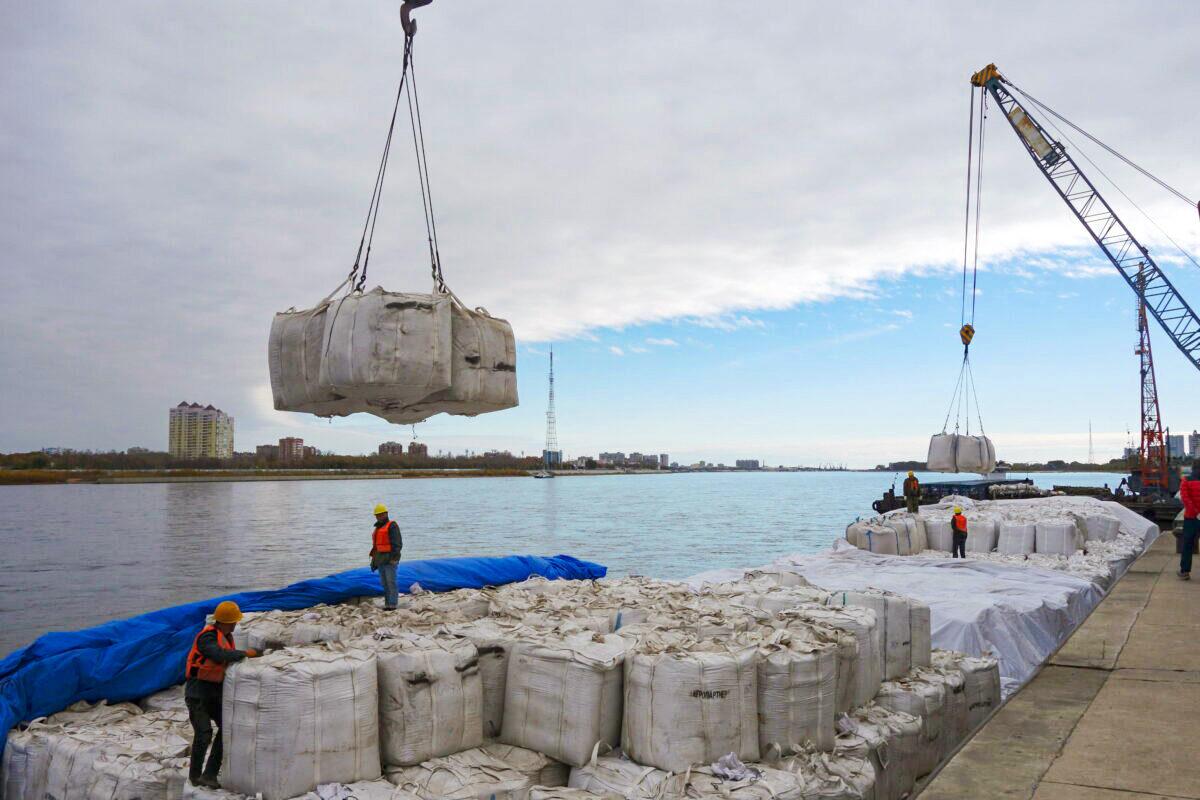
(407, 88)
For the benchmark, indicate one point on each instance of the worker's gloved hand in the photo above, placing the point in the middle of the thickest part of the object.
(252, 653)
(374, 567)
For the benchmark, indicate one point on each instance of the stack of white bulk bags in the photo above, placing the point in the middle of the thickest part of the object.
(429, 697)
(401, 356)
(876, 538)
(777, 575)
(564, 695)
(1102, 528)
(981, 682)
(920, 626)
(981, 534)
(567, 793)
(890, 740)
(1016, 538)
(940, 535)
(494, 641)
(867, 670)
(797, 691)
(1056, 537)
(129, 777)
(300, 717)
(620, 776)
(924, 699)
(271, 630)
(956, 722)
(897, 616)
(541, 769)
(26, 760)
(689, 701)
(780, 599)
(951, 452)
(469, 775)
(910, 533)
(830, 776)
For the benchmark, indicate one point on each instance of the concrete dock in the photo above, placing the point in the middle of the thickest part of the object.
(1113, 715)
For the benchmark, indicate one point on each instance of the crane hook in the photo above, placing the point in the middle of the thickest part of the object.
(409, 24)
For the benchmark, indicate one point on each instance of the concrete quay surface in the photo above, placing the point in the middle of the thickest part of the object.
(1113, 715)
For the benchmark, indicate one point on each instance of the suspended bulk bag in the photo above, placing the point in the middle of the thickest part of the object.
(388, 349)
(943, 453)
(1016, 538)
(483, 367)
(294, 353)
(975, 454)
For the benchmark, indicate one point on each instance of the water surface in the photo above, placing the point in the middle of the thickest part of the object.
(78, 555)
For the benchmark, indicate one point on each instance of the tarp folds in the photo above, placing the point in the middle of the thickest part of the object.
(952, 452)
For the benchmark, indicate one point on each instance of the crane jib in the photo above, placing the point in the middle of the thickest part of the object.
(1125, 252)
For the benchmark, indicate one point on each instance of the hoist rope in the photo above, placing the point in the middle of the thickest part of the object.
(962, 317)
(1110, 150)
(978, 199)
(1062, 135)
(414, 116)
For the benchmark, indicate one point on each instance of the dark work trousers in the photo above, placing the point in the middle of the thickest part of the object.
(203, 713)
(911, 503)
(1191, 530)
(960, 545)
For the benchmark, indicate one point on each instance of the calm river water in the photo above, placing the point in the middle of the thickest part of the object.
(79, 555)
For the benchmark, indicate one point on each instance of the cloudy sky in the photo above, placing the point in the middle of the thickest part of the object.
(739, 224)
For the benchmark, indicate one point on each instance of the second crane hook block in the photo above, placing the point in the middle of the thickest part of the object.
(409, 24)
(966, 333)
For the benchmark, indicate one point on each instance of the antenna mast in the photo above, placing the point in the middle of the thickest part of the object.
(551, 457)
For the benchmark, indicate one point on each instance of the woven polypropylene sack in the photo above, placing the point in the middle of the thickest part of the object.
(540, 768)
(920, 632)
(830, 776)
(1016, 538)
(25, 764)
(981, 682)
(956, 721)
(567, 793)
(1102, 528)
(1056, 537)
(974, 454)
(867, 670)
(921, 699)
(890, 740)
(943, 451)
(388, 349)
(494, 642)
(940, 535)
(483, 366)
(894, 616)
(873, 537)
(300, 717)
(469, 775)
(618, 775)
(690, 702)
(563, 695)
(430, 697)
(797, 693)
(294, 352)
(981, 534)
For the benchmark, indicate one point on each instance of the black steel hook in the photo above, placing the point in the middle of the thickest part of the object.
(410, 24)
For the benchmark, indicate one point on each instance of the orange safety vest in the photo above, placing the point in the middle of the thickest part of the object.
(911, 486)
(959, 523)
(381, 540)
(200, 667)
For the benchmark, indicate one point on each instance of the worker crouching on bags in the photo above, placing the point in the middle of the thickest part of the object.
(958, 525)
(912, 493)
(386, 544)
(212, 651)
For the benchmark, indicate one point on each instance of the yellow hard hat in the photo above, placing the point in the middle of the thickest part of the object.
(380, 509)
(910, 473)
(958, 509)
(227, 611)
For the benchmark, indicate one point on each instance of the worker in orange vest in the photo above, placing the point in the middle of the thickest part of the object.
(912, 492)
(958, 525)
(212, 651)
(1189, 492)
(386, 544)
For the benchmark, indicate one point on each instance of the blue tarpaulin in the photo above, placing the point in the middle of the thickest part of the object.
(131, 658)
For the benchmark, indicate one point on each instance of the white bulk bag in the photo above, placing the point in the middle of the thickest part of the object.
(893, 614)
(483, 367)
(940, 534)
(1056, 536)
(797, 692)
(762, 783)
(300, 717)
(780, 599)
(271, 630)
(567, 793)
(541, 769)
(943, 451)
(563, 695)
(830, 776)
(890, 740)
(910, 533)
(26, 763)
(618, 775)
(873, 537)
(469, 775)
(1102, 528)
(920, 627)
(867, 671)
(689, 701)
(494, 641)
(170, 699)
(1016, 538)
(981, 534)
(974, 454)
(923, 699)
(981, 682)
(129, 777)
(294, 352)
(388, 349)
(429, 697)
(956, 721)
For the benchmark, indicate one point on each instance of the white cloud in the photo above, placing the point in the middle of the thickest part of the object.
(662, 342)
(903, 313)
(616, 351)
(634, 348)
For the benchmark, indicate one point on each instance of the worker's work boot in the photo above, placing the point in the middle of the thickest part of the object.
(1185, 576)
(208, 782)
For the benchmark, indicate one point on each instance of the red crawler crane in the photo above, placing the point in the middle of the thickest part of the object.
(1153, 456)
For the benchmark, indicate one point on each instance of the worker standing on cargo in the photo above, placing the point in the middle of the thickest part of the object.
(1189, 492)
(912, 492)
(386, 544)
(212, 651)
(958, 525)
